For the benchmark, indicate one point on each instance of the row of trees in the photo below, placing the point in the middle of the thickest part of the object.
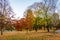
(43, 16)
(36, 20)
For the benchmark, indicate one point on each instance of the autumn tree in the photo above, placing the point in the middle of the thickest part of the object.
(29, 19)
(5, 12)
(22, 23)
(9, 25)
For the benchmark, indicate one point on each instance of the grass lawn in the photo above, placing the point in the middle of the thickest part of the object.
(22, 35)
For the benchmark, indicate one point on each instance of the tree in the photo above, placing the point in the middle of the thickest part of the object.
(58, 27)
(5, 12)
(29, 19)
(55, 20)
(37, 14)
(2, 19)
(9, 24)
(22, 23)
(48, 7)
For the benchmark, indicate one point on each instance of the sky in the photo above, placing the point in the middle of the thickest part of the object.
(19, 6)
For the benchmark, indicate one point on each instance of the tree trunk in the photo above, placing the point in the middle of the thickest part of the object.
(47, 29)
(1, 31)
(27, 31)
(44, 27)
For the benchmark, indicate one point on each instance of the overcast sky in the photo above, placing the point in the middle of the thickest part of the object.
(19, 6)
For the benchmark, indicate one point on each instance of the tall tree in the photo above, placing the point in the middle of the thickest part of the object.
(55, 20)
(6, 12)
(49, 6)
(37, 14)
(29, 19)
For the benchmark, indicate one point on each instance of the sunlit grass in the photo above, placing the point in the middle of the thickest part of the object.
(17, 35)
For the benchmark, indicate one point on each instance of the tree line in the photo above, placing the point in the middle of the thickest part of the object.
(41, 17)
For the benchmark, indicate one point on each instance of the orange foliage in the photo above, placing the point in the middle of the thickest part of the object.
(25, 22)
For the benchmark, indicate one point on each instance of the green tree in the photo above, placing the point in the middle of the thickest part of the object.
(37, 14)
(48, 7)
(55, 20)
